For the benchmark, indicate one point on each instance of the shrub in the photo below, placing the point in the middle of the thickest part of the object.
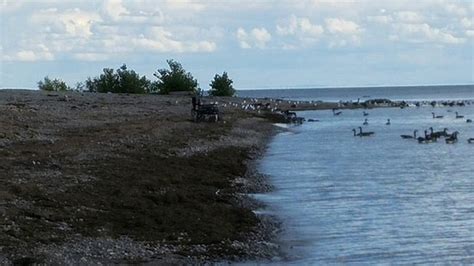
(120, 81)
(221, 86)
(174, 79)
(52, 85)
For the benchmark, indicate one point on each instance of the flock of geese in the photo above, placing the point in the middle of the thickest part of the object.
(430, 135)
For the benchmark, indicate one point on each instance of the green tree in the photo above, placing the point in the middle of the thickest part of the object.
(222, 86)
(174, 79)
(52, 85)
(120, 81)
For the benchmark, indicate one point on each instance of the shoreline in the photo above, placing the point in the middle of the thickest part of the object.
(102, 178)
(121, 178)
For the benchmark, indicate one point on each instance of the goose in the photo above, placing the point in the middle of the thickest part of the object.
(458, 116)
(468, 121)
(355, 134)
(439, 134)
(365, 134)
(336, 113)
(409, 136)
(365, 113)
(436, 116)
(426, 139)
(388, 122)
(366, 122)
(470, 140)
(423, 140)
(430, 138)
(453, 138)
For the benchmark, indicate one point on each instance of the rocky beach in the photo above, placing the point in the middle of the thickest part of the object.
(108, 178)
(115, 178)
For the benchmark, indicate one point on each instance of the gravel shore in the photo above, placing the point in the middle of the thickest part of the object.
(108, 178)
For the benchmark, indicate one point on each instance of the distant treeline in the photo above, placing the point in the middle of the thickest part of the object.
(123, 80)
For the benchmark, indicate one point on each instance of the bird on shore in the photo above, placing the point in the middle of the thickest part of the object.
(388, 122)
(436, 116)
(459, 116)
(366, 122)
(365, 134)
(410, 136)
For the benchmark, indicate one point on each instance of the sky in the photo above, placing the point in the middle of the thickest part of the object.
(259, 43)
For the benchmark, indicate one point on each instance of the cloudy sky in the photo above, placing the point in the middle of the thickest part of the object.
(260, 43)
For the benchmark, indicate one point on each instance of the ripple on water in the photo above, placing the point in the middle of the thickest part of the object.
(347, 199)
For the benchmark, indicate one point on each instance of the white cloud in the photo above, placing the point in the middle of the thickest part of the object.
(408, 17)
(156, 40)
(300, 26)
(74, 29)
(467, 23)
(10, 6)
(73, 22)
(380, 19)
(452, 8)
(310, 29)
(344, 32)
(91, 56)
(257, 37)
(261, 36)
(242, 36)
(342, 26)
(425, 33)
(29, 56)
(192, 5)
(40, 52)
(114, 9)
(298, 32)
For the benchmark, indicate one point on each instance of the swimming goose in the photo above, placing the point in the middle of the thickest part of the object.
(453, 138)
(468, 121)
(365, 113)
(336, 113)
(426, 139)
(470, 140)
(355, 134)
(423, 140)
(458, 116)
(365, 134)
(409, 136)
(430, 138)
(366, 122)
(388, 122)
(439, 134)
(436, 116)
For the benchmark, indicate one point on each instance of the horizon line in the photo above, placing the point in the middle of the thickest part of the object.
(353, 87)
(305, 87)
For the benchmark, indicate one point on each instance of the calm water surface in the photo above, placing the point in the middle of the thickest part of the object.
(380, 199)
(413, 93)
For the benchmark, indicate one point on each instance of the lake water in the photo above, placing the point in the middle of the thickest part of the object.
(352, 94)
(372, 200)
